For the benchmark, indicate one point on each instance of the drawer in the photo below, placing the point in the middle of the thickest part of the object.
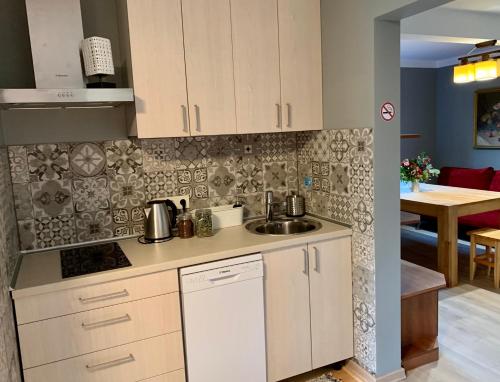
(55, 304)
(58, 338)
(175, 376)
(127, 363)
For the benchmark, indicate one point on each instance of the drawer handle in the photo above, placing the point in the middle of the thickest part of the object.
(108, 296)
(116, 362)
(111, 321)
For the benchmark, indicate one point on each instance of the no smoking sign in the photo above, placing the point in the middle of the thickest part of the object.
(387, 111)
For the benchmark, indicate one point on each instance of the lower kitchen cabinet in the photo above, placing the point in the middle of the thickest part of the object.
(308, 297)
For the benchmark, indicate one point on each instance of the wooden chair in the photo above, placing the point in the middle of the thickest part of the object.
(490, 238)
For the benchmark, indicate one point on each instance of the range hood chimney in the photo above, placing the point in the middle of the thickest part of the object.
(56, 31)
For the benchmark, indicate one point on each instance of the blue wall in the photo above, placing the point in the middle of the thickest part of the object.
(418, 111)
(454, 123)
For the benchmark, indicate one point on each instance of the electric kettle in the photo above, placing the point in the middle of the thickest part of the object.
(159, 221)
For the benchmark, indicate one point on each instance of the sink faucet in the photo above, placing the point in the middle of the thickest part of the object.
(269, 206)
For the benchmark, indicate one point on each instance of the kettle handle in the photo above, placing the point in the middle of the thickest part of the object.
(173, 207)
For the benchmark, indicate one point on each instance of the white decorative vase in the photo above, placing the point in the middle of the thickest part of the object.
(415, 186)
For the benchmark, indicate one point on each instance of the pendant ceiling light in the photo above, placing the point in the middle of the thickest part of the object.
(486, 68)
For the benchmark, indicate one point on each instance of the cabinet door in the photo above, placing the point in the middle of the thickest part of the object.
(300, 62)
(256, 65)
(209, 66)
(286, 285)
(331, 301)
(159, 76)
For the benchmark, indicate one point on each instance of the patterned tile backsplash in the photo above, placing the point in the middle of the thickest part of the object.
(75, 192)
(67, 193)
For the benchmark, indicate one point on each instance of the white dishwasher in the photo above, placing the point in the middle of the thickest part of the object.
(223, 314)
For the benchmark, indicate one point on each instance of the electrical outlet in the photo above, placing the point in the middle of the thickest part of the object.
(177, 200)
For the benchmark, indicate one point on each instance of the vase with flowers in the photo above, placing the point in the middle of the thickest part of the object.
(418, 170)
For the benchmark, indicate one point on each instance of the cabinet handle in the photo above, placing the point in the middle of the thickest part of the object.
(197, 114)
(316, 259)
(288, 115)
(108, 296)
(306, 262)
(278, 116)
(111, 321)
(116, 362)
(184, 118)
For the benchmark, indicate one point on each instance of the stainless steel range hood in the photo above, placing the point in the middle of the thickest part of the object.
(55, 28)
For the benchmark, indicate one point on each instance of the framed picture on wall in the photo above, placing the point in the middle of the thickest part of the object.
(487, 119)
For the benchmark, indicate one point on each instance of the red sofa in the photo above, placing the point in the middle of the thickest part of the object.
(480, 179)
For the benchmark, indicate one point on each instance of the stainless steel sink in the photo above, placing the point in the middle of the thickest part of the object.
(283, 226)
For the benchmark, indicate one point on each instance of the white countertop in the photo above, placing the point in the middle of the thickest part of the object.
(41, 272)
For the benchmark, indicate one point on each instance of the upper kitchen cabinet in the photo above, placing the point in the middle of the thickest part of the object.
(209, 66)
(256, 65)
(158, 68)
(300, 64)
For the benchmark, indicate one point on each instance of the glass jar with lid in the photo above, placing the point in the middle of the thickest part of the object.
(185, 226)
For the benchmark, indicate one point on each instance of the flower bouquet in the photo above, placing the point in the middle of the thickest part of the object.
(417, 170)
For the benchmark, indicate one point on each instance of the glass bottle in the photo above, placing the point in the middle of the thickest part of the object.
(185, 226)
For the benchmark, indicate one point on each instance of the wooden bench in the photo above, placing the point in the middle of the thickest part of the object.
(419, 314)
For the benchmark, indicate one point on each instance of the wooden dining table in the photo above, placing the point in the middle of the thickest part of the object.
(447, 204)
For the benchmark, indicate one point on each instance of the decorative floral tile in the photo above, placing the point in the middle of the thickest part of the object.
(320, 146)
(278, 147)
(253, 204)
(364, 315)
(316, 168)
(361, 146)
(18, 160)
(292, 180)
(339, 146)
(27, 238)
(159, 154)
(363, 251)
(48, 162)
(223, 200)
(365, 348)
(190, 152)
(319, 203)
(362, 216)
(249, 176)
(304, 145)
(90, 194)
(22, 201)
(160, 184)
(93, 225)
(363, 281)
(339, 179)
(200, 203)
(193, 182)
(55, 230)
(127, 191)
(340, 208)
(87, 159)
(222, 150)
(124, 156)
(128, 221)
(361, 180)
(275, 176)
(52, 198)
(221, 181)
(249, 145)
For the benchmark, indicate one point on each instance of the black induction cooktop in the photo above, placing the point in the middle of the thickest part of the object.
(92, 259)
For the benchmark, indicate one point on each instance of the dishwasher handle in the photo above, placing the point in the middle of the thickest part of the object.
(225, 279)
(211, 278)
